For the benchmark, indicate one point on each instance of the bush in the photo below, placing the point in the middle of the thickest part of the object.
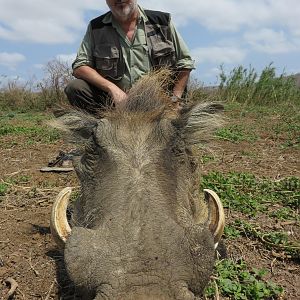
(38, 96)
(246, 86)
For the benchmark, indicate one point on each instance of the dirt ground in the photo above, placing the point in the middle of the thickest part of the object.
(29, 256)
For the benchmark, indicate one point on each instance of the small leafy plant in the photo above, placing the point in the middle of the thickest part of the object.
(235, 281)
(3, 189)
(274, 240)
(235, 133)
(248, 194)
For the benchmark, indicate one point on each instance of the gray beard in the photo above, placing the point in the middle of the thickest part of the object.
(125, 13)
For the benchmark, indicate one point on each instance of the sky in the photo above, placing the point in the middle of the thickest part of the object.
(251, 33)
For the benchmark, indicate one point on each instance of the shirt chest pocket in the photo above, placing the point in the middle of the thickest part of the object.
(107, 60)
(163, 50)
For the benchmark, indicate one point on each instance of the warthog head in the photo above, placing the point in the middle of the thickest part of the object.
(140, 228)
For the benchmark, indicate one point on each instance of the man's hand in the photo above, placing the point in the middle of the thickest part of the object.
(181, 82)
(119, 97)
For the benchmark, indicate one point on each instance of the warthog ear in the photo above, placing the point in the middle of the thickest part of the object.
(77, 124)
(198, 122)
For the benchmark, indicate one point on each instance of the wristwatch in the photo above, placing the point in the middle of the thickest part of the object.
(175, 98)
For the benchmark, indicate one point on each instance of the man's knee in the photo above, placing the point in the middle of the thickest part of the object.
(75, 87)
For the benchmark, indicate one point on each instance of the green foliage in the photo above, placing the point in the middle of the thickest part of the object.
(206, 158)
(248, 194)
(3, 188)
(18, 179)
(235, 281)
(287, 129)
(34, 134)
(36, 95)
(247, 86)
(231, 232)
(235, 133)
(274, 240)
(284, 213)
(29, 125)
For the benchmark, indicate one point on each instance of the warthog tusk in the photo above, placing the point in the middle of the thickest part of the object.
(60, 228)
(216, 215)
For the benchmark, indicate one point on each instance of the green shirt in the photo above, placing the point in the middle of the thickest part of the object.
(135, 52)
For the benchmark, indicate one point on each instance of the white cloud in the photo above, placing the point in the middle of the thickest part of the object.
(68, 58)
(50, 22)
(270, 41)
(238, 16)
(218, 55)
(38, 66)
(11, 60)
(44, 21)
(231, 15)
(213, 72)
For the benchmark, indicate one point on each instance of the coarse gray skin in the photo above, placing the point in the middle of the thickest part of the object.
(134, 232)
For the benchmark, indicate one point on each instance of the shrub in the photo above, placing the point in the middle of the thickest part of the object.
(247, 86)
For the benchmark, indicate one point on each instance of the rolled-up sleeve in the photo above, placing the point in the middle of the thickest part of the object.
(84, 55)
(184, 59)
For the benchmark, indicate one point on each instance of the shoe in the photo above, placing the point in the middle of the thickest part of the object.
(62, 160)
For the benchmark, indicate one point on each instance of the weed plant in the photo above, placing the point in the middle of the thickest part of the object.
(246, 86)
(36, 95)
(241, 85)
(248, 194)
(236, 282)
(274, 240)
(29, 125)
(235, 133)
(3, 189)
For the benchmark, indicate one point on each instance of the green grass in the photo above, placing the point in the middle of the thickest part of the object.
(34, 134)
(29, 125)
(245, 85)
(283, 213)
(236, 133)
(248, 194)
(18, 179)
(3, 188)
(207, 158)
(272, 240)
(287, 131)
(235, 281)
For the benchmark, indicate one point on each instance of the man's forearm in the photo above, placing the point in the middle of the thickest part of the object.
(90, 75)
(181, 82)
(93, 77)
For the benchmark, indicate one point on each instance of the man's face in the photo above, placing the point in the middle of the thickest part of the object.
(122, 9)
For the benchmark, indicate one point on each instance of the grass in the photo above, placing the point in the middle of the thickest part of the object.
(29, 125)
(245, 85)
(272, 240)
(287, 131)
(34, 134)
(3, 188)
(248, 194)
(205, 158)
(234, 280)
(21, 179)
(11, 181)
(236, 133)
(36, 95)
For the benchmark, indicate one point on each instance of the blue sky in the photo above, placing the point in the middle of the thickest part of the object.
(228, 32)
